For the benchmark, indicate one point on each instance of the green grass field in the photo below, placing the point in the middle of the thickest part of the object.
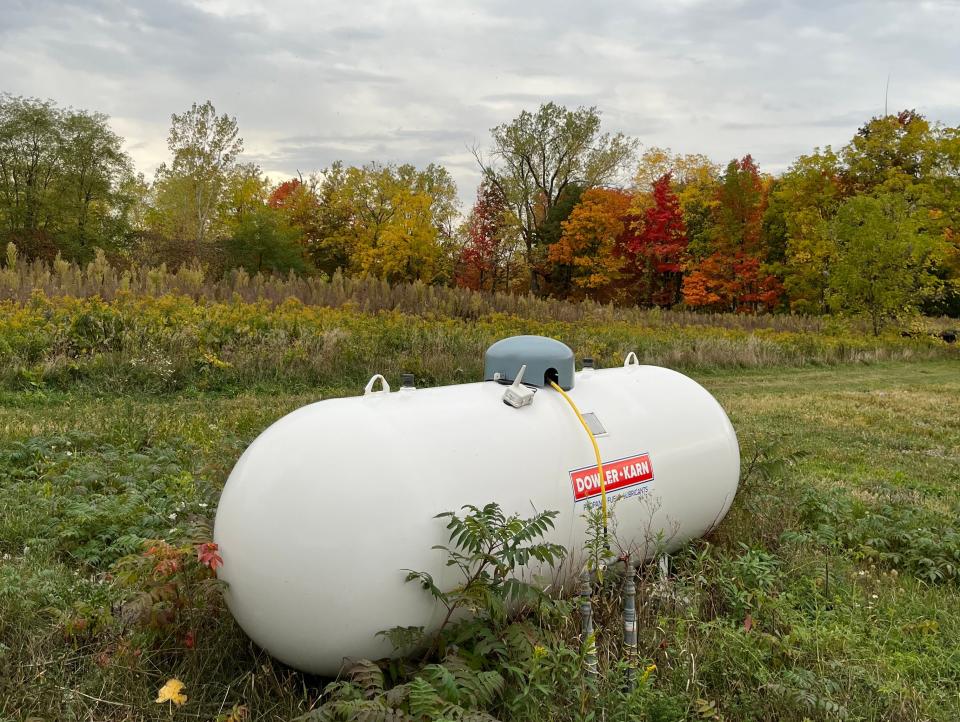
(831, 591)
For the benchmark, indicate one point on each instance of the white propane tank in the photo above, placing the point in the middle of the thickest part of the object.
(329, 506)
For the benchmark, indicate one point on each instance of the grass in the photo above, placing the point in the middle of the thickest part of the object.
(831, 554)
(172, 344)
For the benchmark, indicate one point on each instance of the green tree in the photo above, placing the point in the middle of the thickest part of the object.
(889, 154)
(246, 190)
(62, 174)
(805, 197)
(940, 196)
(557, 279)
(329, 220)
(262, 241)
(537, 157)
(881, 268)
(30, 144)
(189, 192)
(93, 170)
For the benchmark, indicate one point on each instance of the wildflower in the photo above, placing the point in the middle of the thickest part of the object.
(539, 652)
(647, 672)
(172, 691)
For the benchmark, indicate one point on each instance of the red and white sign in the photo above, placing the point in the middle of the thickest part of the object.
(618, 475)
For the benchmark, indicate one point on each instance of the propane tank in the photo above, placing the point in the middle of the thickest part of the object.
(328, 508)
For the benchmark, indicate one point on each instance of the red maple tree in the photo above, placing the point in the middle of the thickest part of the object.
(484, 263)
(658, 250)
(280, 196)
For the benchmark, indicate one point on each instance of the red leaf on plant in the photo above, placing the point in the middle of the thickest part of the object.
(208, 556)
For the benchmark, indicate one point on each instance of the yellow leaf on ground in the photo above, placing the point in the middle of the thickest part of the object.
(172, 691)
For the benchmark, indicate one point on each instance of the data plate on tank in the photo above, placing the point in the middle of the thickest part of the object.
(596, 428)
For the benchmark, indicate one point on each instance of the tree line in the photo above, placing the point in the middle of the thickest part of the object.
(563, 210)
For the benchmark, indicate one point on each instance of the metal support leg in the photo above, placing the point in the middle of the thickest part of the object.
(586, 625)
(630, 623)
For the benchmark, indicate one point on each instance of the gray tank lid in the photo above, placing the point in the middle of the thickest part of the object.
(544, 358)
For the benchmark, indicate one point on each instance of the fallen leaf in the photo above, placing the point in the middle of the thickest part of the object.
(172, 691)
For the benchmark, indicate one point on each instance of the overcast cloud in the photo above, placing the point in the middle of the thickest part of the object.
(417, 82)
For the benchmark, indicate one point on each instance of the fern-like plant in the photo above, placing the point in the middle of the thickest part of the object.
(450, 690)
(487, 546)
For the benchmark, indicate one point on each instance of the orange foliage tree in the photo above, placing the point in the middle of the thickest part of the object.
(733, 277)
(592, 256)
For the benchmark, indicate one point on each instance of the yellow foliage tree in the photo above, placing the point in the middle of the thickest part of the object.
(392, 220)
(591, 245)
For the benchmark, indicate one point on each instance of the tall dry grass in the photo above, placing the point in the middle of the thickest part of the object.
(20, 279)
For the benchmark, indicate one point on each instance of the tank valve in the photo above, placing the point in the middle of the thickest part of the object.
(517, 394)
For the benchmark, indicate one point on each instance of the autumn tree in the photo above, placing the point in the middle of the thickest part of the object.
(694, 178)
(390, 222)
(592, 249)
(486, 258)
(941, 202)
(537, 157)
(316, 207)
(739, 210)
(659, 248)
(556, 278)
(283, 194)
(734, 276)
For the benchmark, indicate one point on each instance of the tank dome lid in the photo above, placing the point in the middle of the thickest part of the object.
(546, 359)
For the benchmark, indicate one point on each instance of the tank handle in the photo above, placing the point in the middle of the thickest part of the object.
(631, 360)
(368, 389)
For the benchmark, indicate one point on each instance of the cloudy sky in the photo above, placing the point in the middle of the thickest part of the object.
(313, 82)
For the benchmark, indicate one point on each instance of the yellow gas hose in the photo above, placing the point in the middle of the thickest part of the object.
(596, 451)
